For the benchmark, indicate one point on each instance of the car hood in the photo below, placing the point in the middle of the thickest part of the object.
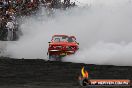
(64, 43)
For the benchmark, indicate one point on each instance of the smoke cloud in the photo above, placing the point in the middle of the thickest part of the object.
(103, 29)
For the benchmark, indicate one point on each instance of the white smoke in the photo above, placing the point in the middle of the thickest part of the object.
(102, 27)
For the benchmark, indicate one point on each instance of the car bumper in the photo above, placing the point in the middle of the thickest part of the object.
(60, 53)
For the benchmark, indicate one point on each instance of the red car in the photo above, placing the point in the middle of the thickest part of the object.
(62, 45)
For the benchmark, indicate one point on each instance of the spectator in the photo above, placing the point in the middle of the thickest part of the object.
(10, 9)
(10, 28)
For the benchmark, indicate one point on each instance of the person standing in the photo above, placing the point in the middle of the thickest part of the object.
(3, 29)
(10, 28)
(0, 27)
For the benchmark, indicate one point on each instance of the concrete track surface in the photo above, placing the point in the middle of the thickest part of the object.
(37, 73)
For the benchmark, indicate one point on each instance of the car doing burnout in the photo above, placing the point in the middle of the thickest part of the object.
(62, 45)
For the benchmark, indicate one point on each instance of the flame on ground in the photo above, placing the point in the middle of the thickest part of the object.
(84, 73)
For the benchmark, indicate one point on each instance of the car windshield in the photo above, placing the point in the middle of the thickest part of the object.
(63, 39)
(70, 39)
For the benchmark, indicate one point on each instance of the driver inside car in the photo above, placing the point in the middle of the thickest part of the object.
(57, 40)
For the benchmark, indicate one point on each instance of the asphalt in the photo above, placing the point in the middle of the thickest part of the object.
(38, 73)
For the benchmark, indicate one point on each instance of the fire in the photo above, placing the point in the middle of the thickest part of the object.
(84, 73)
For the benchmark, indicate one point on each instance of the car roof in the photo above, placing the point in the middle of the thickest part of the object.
(60, 35)
(64, 35)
